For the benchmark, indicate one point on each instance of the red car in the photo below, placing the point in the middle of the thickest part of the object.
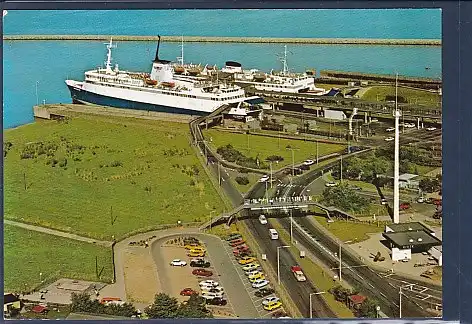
(241, 254)
(188, 292)
(437, 202)
(202, 273)
(236, 243)
(242, 247)
(404, 206)
(237, 252)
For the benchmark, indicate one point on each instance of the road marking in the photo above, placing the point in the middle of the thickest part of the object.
(381, 293)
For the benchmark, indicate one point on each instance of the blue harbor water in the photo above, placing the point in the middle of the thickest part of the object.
(34, 71)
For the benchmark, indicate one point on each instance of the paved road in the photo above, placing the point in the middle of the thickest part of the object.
(57, 233)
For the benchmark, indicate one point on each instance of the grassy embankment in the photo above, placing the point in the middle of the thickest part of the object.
(121, 175)
(413, 96)
(262, 147)
(29, 253)
(320, 278)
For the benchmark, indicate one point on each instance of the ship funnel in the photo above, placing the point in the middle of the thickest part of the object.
(161, 69)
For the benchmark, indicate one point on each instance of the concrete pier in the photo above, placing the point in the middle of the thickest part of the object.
(211, 39)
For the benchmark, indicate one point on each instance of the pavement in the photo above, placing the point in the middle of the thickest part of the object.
(221, 261)
(57, 233)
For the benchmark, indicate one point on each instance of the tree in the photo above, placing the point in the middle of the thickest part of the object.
(367, 309)
(344, 198)
(242, 180)
(340, 293)
(195, 307)
(164, 306)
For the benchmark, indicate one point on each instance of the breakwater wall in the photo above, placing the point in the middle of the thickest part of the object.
(212, 39)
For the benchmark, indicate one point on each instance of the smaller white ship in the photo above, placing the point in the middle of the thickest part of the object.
(283, 81)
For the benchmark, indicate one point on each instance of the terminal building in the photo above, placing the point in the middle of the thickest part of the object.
(407, 238)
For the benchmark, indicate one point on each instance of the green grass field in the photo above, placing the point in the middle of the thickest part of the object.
(28, 253)
(141, 173)
(349, 231)
(413, 96)
(266, 146)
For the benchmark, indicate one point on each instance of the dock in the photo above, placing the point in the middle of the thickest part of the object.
(61, 111)
(218, 39)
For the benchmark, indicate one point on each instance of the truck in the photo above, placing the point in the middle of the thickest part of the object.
(298, 273)
(334, 114)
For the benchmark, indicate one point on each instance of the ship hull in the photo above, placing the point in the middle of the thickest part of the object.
(85, 97)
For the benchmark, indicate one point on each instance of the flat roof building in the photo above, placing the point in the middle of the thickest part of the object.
(408, 227)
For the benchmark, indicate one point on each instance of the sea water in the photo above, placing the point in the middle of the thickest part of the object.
(35, 71)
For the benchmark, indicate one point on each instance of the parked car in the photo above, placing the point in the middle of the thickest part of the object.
(308, 162)
(420, 200)
(242, 253)
(207, 294)
(217, 301)
(190, 246)
(404, 206)
(196, 254)
(260, 283)
(264, 178)
(234, 236)
(270, 300)
(209, 283)
(202, 272)
(218, 289)
(251, 266)
(431, 129)
(199, 263)
(389, 139)
(331, 184)
(262, 220)
(264, 292)
(272, 306)
(188, 292)
(257, 277)
(390, 129)
(236, 243)
(246, 260)
(383, 201)
(252, 272)
(178, 263)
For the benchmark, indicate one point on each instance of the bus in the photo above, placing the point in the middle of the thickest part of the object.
(273, 234)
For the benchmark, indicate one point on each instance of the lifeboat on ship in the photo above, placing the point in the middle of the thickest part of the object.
(150, 81)
(194, 70)
(178, 69)
(259, 77)
(168, 84)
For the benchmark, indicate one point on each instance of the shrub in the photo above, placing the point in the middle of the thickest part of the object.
(242, 180)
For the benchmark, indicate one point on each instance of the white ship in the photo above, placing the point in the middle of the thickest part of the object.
(283, 81)
(160, 90)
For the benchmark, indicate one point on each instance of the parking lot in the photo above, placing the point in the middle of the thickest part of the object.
(174, 279)
(257, 301)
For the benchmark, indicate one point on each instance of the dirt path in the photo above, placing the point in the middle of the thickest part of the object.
(57, 233)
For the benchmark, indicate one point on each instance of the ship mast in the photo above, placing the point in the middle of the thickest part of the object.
(284, 61)
(108, 62)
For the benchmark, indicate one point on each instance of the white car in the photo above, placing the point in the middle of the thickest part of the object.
(178, 263)
(206, 294)
(270, 300)
(411, 125)
(331, 184)
(308, 162)
(264, 178)
(390, 129)
(210, 283)
(217, 289)
(388, 139)
(431, 128)
(262, 220)
(260, 283)
(420, 200)
(251, 266)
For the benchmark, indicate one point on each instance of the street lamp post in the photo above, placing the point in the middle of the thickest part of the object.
(211, 218)
(270, 163)
(278, 260)
(291, 226)
(311, 304)
(37, 100)
(41, 277)
(340, 263)
(317, 152)
(377, 310)
(341, 173)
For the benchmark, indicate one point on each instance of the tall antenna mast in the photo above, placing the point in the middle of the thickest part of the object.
(108, 62)
(181, 58)
(284, 61)
(396, 163)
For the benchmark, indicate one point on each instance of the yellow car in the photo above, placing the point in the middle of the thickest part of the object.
(197, 250)
(196, 254)
(260, 276)
(272, 306)
(193, 246)
(247, 260)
